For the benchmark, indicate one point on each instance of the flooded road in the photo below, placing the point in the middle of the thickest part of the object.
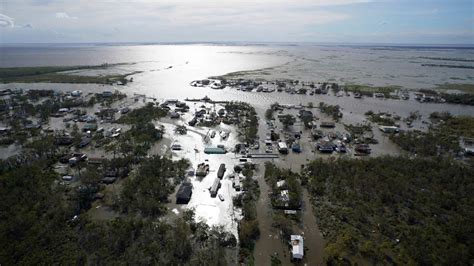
(269, 242)
(313, 239)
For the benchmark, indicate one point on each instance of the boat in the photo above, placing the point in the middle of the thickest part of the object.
(325, 146)
(212, 133)
(363, 148)
(221, 197)
(328, 124)
(176, 147)
(357, 95)
(224, 134)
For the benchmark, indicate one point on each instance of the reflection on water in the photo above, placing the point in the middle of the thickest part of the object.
(167, 70)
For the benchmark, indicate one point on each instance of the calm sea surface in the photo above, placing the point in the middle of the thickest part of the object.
(167, 70)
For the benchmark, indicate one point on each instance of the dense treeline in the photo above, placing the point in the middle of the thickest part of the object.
(147, 191)
(42, 225)
(273, 174)
(441, 138)
(247, 119)
(143, 115)
(459, 98)
(248, 226)
(394, 210)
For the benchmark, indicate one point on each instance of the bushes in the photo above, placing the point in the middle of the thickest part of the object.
(394, 209)
(149, 189)
(143, 115)
(330, 110)
(248, 226)
(441, 139)
(36, 227)
(272, 175)
(248, 233)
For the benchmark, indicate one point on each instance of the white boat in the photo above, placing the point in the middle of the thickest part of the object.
(176, 147)
(224, 134)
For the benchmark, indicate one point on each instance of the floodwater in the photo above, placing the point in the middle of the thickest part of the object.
(167, 70)
(269, 242)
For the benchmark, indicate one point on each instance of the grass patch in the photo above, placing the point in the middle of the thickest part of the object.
(367, 90)
(55, 74)
(467, 88)
(442, 138)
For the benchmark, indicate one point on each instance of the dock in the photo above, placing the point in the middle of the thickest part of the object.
(263, 155)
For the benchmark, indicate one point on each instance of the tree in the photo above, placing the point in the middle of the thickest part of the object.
(287, 121)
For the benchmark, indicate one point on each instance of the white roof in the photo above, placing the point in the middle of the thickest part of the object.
(281, 183)
(298, 247)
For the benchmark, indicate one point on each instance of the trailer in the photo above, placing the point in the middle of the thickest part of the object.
(216, 150)
(282, 147)
(221, 171)
(389, 129)
(215, 187)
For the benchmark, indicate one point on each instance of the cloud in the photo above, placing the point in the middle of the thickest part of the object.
(29, 26)
(64, 15)
(6, 21)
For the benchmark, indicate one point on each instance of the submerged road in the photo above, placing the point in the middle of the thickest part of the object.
(313, 239)
(269, 242)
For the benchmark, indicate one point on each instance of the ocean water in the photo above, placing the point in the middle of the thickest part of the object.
(167, 70)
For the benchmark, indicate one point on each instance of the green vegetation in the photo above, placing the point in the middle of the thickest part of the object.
(53, 74)
(466, 96)
(44, 221)
(247, 119)
(383, 119)
(146, 192)
(290, 183)
(441, 138)
(394, 210)
(269, 114)
(468, 88)
(459, 98)
(245, 74)
(270, 111)
(287, 120)
(248, 226)
(358, 129)
(367, 90)
(330, 110)
(142, 115)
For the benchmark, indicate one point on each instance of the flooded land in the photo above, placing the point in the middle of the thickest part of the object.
(239, 155)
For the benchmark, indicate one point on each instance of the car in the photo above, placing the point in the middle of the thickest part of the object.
(67, 178)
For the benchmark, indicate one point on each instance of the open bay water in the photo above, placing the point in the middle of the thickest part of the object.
(167, 70)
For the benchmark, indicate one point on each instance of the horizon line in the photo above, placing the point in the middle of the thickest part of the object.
(393, 44)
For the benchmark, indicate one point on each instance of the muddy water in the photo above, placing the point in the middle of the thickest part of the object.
(269, 242)
(313, 240)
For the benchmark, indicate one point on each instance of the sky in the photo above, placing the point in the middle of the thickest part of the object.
(319, 21)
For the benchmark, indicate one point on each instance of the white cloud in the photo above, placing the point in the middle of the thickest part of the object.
(64, 15)
(6, 21)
